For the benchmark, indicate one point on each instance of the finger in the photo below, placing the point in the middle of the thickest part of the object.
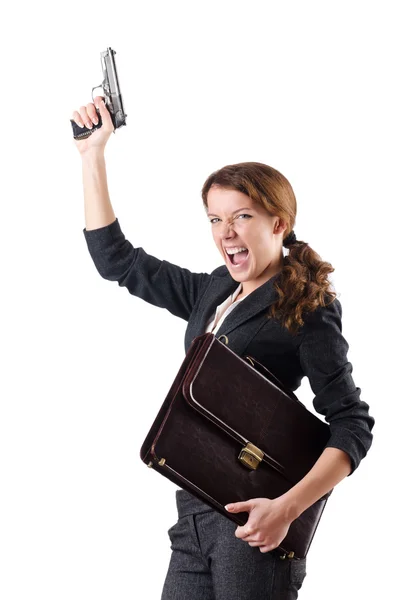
(255, 543)
(267, 548)
(97, 100)
(86, 119)
(105, 115)
(237, 507)
(248, 535)
(92, 114)
(245, 532)
(77, 118)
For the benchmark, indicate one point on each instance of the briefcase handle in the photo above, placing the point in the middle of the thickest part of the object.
(271, 377)
(263, 371)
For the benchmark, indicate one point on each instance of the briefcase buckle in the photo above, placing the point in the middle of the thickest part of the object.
(251, 456)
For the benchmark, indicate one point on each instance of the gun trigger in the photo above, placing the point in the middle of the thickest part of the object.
(95, 88)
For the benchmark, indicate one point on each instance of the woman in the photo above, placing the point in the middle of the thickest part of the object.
(251, 208)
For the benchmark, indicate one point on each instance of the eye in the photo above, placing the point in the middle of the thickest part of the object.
(214, 219)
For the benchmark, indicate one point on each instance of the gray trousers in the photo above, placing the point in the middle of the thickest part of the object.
(208, 562)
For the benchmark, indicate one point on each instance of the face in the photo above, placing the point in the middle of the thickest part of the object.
(237, 222)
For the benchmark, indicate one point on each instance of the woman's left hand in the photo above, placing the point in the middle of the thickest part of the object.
(267, 524)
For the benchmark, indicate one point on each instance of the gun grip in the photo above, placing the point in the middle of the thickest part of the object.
(80, 133)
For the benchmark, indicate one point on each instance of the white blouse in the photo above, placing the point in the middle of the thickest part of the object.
(222, 311)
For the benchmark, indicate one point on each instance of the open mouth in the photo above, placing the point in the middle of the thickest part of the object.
(237, 260)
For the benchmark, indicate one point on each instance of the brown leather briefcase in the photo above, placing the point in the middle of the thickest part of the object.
(229, 431)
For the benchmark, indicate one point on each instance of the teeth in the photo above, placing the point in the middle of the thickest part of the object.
(235, 250)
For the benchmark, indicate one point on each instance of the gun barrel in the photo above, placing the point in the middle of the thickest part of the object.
(111, 86)
(110, 71)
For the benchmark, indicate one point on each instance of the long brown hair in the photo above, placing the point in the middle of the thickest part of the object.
(303, 282)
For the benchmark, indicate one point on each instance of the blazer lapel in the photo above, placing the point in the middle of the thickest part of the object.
(255, 302)
(222, 286)
(220, 289)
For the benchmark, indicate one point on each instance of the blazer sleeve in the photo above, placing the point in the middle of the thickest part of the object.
(323, 358)
(156, 281)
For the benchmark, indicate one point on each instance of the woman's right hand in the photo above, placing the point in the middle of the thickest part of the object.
(87, 116)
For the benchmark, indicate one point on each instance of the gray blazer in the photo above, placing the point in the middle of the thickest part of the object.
(319, 350)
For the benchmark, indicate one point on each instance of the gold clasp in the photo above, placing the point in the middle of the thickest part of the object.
(251, 456)
(289, 555)
(160, 462)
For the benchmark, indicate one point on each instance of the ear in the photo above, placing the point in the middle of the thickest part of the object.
(280, 225)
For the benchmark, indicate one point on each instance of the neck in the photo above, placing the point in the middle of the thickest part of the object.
(249, 286)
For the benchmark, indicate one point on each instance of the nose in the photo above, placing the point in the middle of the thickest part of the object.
(227, 230)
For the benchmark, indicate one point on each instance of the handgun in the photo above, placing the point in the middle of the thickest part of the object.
(112, 95)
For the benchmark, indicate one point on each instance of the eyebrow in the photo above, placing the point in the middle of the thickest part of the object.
(233, 213)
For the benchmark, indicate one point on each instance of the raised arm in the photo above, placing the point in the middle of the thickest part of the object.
(97, 206)
(156, 281)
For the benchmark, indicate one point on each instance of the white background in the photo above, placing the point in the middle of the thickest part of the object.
(306, 87)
